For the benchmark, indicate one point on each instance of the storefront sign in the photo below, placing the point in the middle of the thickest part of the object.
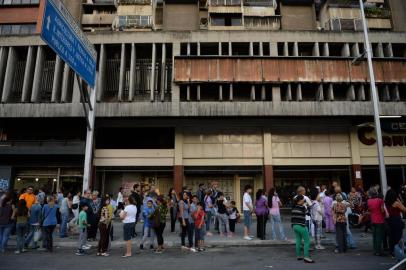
(365, 136)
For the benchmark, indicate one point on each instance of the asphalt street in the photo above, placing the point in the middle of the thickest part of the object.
(235, 258)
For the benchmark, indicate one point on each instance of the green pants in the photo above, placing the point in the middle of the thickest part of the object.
(301, 233)
(377, 236)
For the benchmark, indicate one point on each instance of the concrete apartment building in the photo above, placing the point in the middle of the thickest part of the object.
(259, 92)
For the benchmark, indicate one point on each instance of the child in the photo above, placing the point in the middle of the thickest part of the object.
(300, 228)
(317, 218)
(82, 222)
(233, 216)
(147, 212)
(199, 216)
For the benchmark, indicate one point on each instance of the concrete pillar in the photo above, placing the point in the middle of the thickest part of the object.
(295, 49)
(220, 49)
(9, 76)
(230, 49)
(188, 92)
(386, 93)
(289, 92)
(39, 67)
(285, 49)
(178, 160)
(330, 92)
(76, 96)
(163, 70)
(231, 97)
(268, 179)
(253, 92)
(276, 93)
(261, 49)
(273, 49)
(175, 95)
(263, 93)
(395, 93)
(56, 85)
(152, 79)
(379, 50)
(198, 92)
(121, 82)
(361, 93)
(65, 83)
(355, 50)
(131, 89)
(198, 48)
(351, 93)
(102, 72)
(251, 49)
(345, 51)
(320, 93)
(299, 92)
(388, 50)
(220, 92)
(28, 75)
(316, 49)
(326, 50)
(3, 64)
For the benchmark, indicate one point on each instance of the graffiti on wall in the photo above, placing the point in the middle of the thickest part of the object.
(4, 184)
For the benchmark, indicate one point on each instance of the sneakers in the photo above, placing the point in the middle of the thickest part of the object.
(209, 234)
(184, 247)
(247, 238)
(319, 247)
(201, 249)
(193, 249)
(17, 252)
(80, 252)
(158, 251)
(105, 254)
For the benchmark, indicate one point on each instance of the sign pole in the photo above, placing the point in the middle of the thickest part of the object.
(89, 139)
(375, 101)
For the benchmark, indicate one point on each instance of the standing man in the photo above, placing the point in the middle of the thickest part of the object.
(247, 208)
(28, 197)
(201, 193)
(138, 199)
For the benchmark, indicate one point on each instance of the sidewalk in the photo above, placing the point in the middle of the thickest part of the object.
(173, 239)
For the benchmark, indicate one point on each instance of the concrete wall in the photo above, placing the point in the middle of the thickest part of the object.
(398, 10)
(181, 17)
(75, 8)
(298, 17)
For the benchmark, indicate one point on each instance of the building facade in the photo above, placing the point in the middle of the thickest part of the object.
(240, 92)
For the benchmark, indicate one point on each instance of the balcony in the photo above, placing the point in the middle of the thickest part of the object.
(98, 19)
(263, 23)
(132, 22)
(224, 3)
(260, 3)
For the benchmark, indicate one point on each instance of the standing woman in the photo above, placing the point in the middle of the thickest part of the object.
(274, 203)
(160, 221)
(184, 213)
(376, 207)
(128, 215)
(173, 208)
(93, 218)
(49, 212)
(394, 207)
(21, 217)
(340, 220)
(261, 210)
(6, 220)
(104, 225)
(328, 214)
(209, 208)
(75, 207)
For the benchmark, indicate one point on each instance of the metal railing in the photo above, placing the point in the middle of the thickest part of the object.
(225, 2)
(18, 80)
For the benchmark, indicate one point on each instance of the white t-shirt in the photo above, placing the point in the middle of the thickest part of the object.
(131, 213)
(120, 198)
(247, 200)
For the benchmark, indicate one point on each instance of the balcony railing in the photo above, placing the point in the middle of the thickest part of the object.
(338, 24)
(133, 2)
(261, 3)
(264, 23)
(132, 21)
(225, 2)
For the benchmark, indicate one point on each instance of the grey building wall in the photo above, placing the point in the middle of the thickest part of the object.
(298, 17)
(180, 17)
(398, 10)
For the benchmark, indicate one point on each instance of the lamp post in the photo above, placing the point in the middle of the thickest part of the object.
(375, 101)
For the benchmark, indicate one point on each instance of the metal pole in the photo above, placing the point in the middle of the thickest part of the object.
(375, 102)
(89, 139)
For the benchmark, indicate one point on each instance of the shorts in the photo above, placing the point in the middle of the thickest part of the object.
(247, 218)
(128, 230)
(199, 234)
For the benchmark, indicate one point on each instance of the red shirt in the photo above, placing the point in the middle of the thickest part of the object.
(375, 207)
(199, 218)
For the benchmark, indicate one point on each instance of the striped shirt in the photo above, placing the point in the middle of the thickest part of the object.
(298, 215)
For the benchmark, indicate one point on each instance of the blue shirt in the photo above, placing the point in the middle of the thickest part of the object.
(35, 213)
(146, 213)
(49, 215)
(193, 209)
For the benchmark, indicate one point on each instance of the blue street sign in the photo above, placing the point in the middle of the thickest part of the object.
(63, 34)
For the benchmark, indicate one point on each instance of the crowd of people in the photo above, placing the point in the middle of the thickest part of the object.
(33, 216)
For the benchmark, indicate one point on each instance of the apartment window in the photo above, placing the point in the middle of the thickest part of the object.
(19, 2)
(226, 20)
(133, 21)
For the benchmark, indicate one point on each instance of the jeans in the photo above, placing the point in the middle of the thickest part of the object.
(21, 230)
(377, 236)
(148, 233)
(82, 238)
(276, 222)
(301, 233)
(350, 239)
(223, 223)
(341, 236)
(159, 233)
(49, 230)
(208, 220)
(173, 213)
(232, 223)
(317, 231)
(30, 236)
(186, 230)
(64, 224)
(4, 235)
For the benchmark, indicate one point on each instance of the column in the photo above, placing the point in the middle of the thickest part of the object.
(273, 49)
(163, 69)
(395, 93)
(351, 93)
(102, 72)
(39, 67)
(188, 92)
(261, 49)
(230, 49)
(289, 92)
(345, 51)
(388, 50)
(9, 76)
(253, 92)
(320, 93)
(386, 93)
(152, 79)
(295, 49)
(285, 49)
(220, 92)
(132, 73)
(188, 48)
(379, 49)
(361, 93)
(355, 159)
(56, 85)
(263, 92)
(76, 96)
(198, 92)
(28, 75)
(330, 92)
(355, 50)
(231, 97)
(178, 161)
(220, 49)
(251, 49)
(299, 92)
(316, 49)
(276, 93)
(175, 97)
(326, 50)
(198, 48)
(268, 168)
(65, 83)
(3, 64)
(121, 82)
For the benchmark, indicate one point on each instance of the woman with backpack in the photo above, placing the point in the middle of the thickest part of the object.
(49, 221)
(159, 222)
